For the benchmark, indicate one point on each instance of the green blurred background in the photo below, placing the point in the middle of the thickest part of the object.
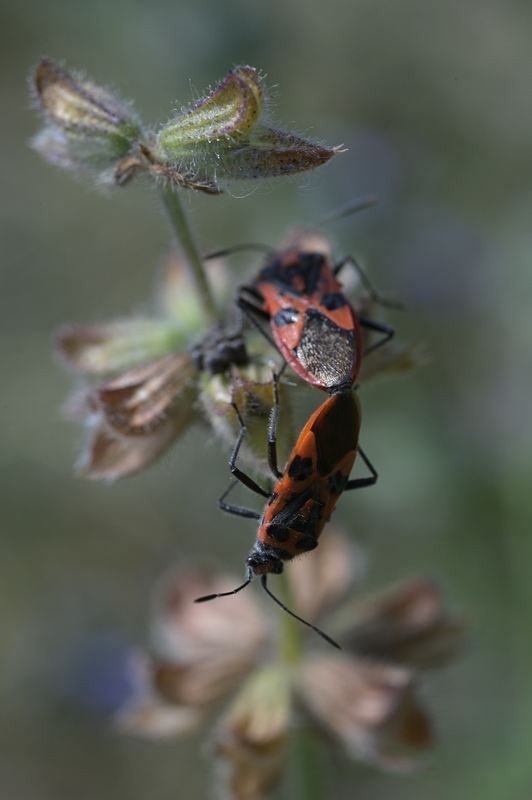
(433, 101)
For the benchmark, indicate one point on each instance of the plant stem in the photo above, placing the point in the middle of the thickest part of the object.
(304, 779)
(291, 633)
(193, 260)
(305, 776)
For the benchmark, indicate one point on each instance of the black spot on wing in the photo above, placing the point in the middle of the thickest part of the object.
(309, 269)
(278, 532)
(284, 271)
(333, 300)
(307, 543)
(337, 482)
(272, 272)
(300, 468)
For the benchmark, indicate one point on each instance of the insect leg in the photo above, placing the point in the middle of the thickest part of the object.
(236, 471)
(274, 597)
(352, 207)
(387, 333)
(366, 283)
(359, 483)
(238, 511)
(272, 426)
(252, 312)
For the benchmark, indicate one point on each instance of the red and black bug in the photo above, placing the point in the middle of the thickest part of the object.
(314, 326)
(306, 493)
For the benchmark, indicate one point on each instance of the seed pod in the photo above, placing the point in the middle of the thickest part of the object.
(271, 153)
(222, 136)
(87, 126)
(225, 115)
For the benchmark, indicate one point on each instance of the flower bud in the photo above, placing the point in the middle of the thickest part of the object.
(88, 127)
(221, 132)
(228, 113)
(270, 153)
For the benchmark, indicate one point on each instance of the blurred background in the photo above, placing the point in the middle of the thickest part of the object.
(433, 101)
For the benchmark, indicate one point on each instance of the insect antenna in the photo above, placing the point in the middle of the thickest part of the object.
(292, 614)
(241, 248)
(352, 207)
(207, 597)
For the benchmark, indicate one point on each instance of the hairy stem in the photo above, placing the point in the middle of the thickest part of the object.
(185, 240)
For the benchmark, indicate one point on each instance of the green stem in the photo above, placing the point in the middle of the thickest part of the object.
(291, 633)
(304, 778)
(305, 781)
(185, 239)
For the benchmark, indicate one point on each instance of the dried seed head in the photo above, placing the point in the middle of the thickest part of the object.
(88, 128)
(150, 718)
(99, 349)
(134, 418)
(370, 708)
(140, 400)
(108, 456)
(146, 714)
(187, 632)
(408, 624)
(199, 653)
